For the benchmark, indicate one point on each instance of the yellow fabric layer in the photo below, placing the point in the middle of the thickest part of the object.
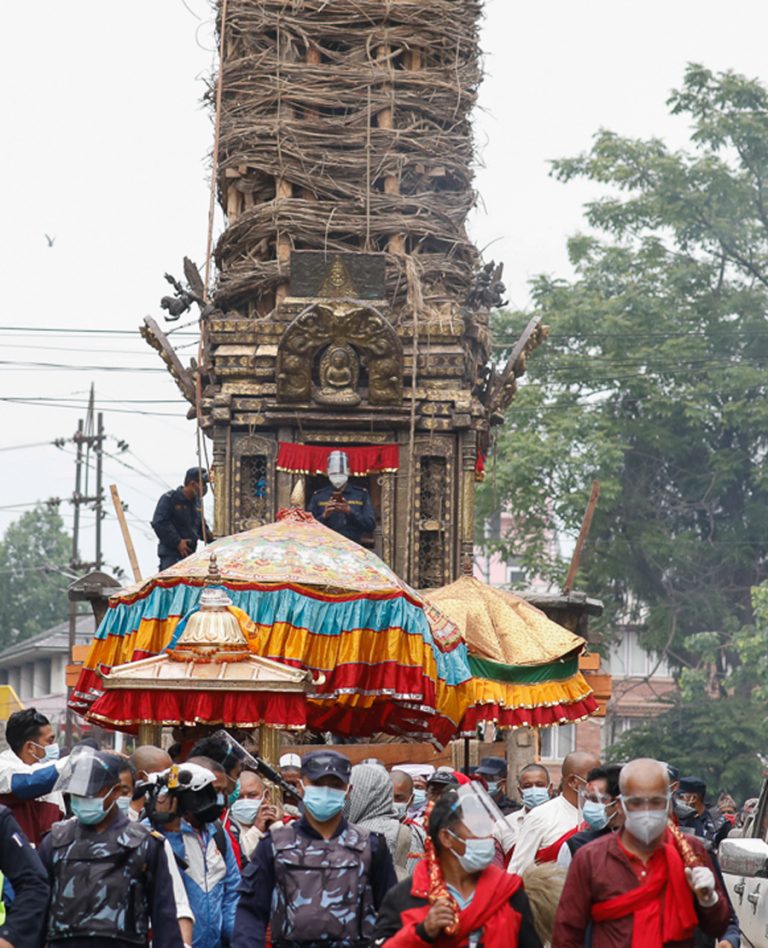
(498, 625)
(546, 694)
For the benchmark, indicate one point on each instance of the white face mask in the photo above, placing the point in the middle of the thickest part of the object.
(338, 481)
(646, 825)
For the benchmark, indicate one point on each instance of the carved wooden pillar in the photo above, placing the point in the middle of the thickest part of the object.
(467, 501)
(222, 417)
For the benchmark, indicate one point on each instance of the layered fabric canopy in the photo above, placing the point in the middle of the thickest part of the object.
(525, 666)
(307, 597)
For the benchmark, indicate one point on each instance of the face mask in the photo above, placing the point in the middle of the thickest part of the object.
(594, 814)
(534, 796)
(646, 825)
(123, 804)
(683, 811)
(493, 788)
(235, 795)
(401, 809)
(246, 811)
(338, 481)
(478, 854)
(324, 802)
(89, 810)
(219, 801)
(50, 751)
(419, 798)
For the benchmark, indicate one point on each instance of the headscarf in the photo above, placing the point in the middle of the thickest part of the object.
(372, 802)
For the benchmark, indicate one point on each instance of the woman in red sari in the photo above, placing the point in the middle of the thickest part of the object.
(457, 898)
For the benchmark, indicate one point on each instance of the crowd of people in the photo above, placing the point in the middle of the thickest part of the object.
(201, 850)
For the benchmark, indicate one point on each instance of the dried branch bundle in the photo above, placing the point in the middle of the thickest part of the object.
(345, 124)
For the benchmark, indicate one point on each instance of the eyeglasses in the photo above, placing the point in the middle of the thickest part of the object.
(595, 797)
(633, 804)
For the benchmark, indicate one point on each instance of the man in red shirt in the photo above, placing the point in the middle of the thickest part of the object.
(642, 886)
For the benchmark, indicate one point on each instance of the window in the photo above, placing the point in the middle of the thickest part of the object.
(557, 742)
(616, 726)
(628, 658)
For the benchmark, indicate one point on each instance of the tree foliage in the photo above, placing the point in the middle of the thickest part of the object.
(33, 595)
(653, 379)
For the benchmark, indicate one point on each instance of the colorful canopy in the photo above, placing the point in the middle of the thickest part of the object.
(310, 598)
(525, 666)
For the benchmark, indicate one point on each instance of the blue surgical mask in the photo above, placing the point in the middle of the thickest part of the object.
(535, 796)
(419, 799)
(123, 804)
(324, 802)
(245, 811)
(401, 810)
(88, 810)
(478, 854)
(594, 814)
(493, 787)
(50, 752)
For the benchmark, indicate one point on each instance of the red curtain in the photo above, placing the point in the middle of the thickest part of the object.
(313, 458)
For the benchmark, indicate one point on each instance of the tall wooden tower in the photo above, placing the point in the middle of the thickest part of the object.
(351, 310)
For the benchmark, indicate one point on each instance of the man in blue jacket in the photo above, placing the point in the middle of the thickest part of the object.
(186, 810)
(23, 921)
(178, 519)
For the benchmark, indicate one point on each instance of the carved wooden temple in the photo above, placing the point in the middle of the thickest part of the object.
(351, 309)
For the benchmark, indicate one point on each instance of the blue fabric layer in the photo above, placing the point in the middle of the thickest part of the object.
(286, 605)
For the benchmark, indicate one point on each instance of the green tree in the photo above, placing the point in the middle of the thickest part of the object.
(653, 380)
(33, 551)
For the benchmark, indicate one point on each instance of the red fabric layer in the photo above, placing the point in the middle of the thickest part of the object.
(551, 852)
(530, 717)
(313, 458)
(125, 710)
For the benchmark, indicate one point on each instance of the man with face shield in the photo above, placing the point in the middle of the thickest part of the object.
(646, 884)
(110, 882)
(457, 897)
(185, 808)
(319, 880)
(342, 506)
(600, 810)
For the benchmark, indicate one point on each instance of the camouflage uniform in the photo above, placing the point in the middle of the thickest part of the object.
(108, 885)
(322, 892)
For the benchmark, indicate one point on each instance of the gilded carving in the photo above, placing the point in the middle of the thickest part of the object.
(339, 374)
(360, 329)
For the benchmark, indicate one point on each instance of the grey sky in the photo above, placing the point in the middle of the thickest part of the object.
(105, 145)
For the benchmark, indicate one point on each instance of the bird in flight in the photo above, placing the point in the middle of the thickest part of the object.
(51, 240)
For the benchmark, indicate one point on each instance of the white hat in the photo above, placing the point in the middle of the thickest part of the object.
(416, 770)
(290, 760)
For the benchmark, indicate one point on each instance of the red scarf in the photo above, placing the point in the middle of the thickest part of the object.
(489, 909)
(551, 852)
(662, 906)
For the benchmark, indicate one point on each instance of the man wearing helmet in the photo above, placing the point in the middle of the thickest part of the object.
(185, 807)
(342, 506)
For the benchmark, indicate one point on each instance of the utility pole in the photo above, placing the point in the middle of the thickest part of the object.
(88, 438)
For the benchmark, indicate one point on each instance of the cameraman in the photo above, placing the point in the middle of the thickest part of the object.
(185, 807)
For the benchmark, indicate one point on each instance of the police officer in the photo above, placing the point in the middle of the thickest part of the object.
(21, 925)
(494, 771)
(109, 877)
(694, 815)
(177, 520)
(342, 506)
(319, 880)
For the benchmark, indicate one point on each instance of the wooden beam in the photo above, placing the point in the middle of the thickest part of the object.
(120, 513)
(159, 341)
(583, 534)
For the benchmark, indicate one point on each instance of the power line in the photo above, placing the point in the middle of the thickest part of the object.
(56, 330)
(69, 367)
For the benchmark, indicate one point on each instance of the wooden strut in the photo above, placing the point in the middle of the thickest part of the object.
(120, 513)
(583, 534)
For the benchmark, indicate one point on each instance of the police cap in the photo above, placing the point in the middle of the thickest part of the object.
(493, 767)
(693, 785)
(326, 763)
(193, 474)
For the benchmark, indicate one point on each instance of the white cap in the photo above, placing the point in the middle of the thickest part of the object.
(416, 770)
(290, 760)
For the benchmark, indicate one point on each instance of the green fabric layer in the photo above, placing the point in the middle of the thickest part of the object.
(523, 674)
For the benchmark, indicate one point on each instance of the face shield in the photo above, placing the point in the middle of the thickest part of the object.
(478, 812)
(87, 772)
(338, 469)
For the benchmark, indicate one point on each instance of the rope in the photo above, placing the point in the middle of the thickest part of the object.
(215, 156)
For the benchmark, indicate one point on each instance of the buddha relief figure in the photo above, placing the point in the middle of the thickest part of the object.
(339, 371)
